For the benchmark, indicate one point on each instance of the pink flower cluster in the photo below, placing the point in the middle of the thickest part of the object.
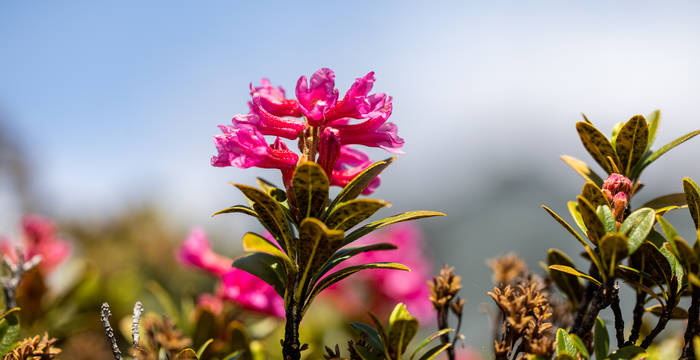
(617, 189)
(358, 118)
(383, 289)
(236, 285)
(39, 238)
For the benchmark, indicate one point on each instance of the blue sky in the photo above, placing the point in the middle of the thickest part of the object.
(116, 103)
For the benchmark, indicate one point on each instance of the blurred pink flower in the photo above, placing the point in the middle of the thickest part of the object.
(39, 237)
(235, 285)
(359, 118)
(386, 288)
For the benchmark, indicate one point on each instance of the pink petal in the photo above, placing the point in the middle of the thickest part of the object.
(317, 96)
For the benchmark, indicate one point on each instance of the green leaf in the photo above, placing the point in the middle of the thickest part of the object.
(576, 215)
(580, 346)
(316, 245)
(427, 340)
(272, 189)
(595, 227)
(684, 252)
(676, 267)
(601, 340)
(651, 158)
(597, 145)
(343, 273)
(582, 169)
(372, 335)
(594, 195)
(364, 353)
(350, 213)
(271, 216)
(310, 185)
(632, 142)
(627, 353)
(237, 209)
(637, 226)
(434, 351)
(186, 354)
(344, 254)
(355, 187)
(565, 225)
(613, 248)
(402, 328)
(253, 242)
(615, 132)
(266, 267)
(654, 118)
(568, 284)
(572, 271)
(607, 218)
(692, 195)
(677, 199)
(234, 355)
(203, 348)
(411, 215)
(677, 313)
(564, 344)
(9, 330)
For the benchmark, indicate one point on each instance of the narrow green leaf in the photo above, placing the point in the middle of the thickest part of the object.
(427, 340)
(565, 225)
(359, 183)
(310, 185)
(632, 142)
(564, 343)
(164, 299)
(266, 267)
(411, 215)
(402, 328)
(434, 351)
(607, 218)
(576, 215)
(597, 145)
(595, 227)
(271, 216)
(568, 284)
(654, 119)
(253, 242)
(186, 354)
(572, 271)
(692, 195)
(316, 245)
(203, 348)
(637, 227)
(350, 213)
(237, 209)
(582, 169)
(343, 273)
(272, 189)
(677, 199)
(344, 254)
(676, 267)
(373, 337)
(651, 158)
(580, 346)
(234, 355)
(601, 340)
(615, 132)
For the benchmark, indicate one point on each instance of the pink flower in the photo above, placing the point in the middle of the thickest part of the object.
(616, 183)
(244, 146)
(39, 238)
(237, 286)
(386, 288)
(359, 118)
(350, 163)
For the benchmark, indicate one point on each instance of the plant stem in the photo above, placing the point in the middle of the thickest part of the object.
(619, 321)
(637, 317)
(291, 348)
(693, 326)
(663, 320)
(442, 314)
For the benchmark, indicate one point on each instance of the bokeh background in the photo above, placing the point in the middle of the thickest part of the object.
(107, 109)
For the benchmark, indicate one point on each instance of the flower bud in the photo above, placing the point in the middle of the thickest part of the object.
(616, 183)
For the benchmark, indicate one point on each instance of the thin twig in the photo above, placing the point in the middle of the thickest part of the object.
(619, 321)
(637, 315)
(11, 281)
(105, 314)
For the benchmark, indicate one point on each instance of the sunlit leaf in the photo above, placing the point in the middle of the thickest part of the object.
(580, 346)
(651, 158)
(692, 194)
(272, 189)
(654, 119)
(434, 351)
(402, 328)
(344, 254)
(9, 329)
(564, 344)
(237, 209)
(255, 243)
(186, 354)
(593, 194)
(576, 215)
(568, 284)
(582, 169)
(427, 340)
(572, 271)
(271, 215)
(601, 339)
(310, 185)
(565, 225)
(359, 183)
(316, 245)
(350, 213)
(677, 199)
(203, 348)
(597, 145)
(632, 142)
(596, 229)
(613, 248)
(607, 218)
(637, 226)
(366, 229)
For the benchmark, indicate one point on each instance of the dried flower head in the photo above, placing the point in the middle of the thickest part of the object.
(35, 348)
(508, 269)
(444, 287)
(159, 333)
